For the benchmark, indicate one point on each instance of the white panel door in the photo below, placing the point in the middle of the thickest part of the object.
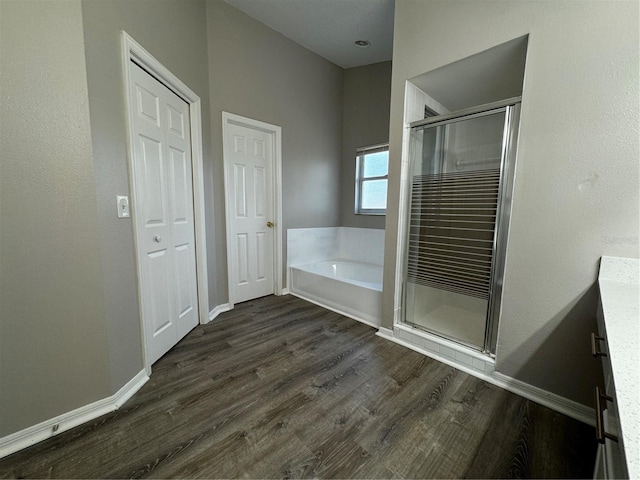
(163, 203)
(249, 163)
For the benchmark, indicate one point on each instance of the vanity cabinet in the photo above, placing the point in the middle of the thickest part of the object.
(610, 459)
(617, 345)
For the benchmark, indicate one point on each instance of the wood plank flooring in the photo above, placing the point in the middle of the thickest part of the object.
(281, 388)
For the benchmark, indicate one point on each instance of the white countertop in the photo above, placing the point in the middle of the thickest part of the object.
(619, 282)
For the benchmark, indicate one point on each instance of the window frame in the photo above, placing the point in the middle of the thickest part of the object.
(360, 178)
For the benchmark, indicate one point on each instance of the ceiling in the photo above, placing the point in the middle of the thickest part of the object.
(330, 27)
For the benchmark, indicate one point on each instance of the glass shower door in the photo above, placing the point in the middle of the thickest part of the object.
(457, 168)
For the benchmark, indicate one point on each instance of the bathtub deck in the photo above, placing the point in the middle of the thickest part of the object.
(279, 387)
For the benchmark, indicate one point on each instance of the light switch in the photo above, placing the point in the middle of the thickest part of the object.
(123, 206)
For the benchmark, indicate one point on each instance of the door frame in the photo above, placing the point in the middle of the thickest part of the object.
(133, 51)
(276, 134)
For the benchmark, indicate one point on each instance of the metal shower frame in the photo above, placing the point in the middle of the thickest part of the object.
(511, 107)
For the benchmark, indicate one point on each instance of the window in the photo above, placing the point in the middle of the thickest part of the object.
(372, 169)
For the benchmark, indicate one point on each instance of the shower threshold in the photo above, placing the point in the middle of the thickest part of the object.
(464, 357)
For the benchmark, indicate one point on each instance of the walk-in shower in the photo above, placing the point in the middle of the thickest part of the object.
(462, 170)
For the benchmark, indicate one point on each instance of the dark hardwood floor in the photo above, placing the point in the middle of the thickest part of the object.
(279, 387)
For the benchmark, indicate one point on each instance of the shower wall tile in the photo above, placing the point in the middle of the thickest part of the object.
(478, 364)
(448, 352)
(408, 336)
(464, 359)
(430, 345)
(416, 100)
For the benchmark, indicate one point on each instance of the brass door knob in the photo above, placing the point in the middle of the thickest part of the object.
(270, 224)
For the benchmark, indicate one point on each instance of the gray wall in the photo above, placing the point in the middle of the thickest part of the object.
(366, 102)
(53, 340)
(175, 33)
(258, 73)
(577, 178)
(70, 329)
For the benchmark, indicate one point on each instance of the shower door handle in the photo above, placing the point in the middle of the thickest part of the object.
(595, 350)
(601, 434)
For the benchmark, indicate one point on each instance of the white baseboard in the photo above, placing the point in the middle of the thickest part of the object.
(225, 307)
(54, 426)
(555, 402)
(285, 291)
(385, 333)
(487, 372)
(130, 388)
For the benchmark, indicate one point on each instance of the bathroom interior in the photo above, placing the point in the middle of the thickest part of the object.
(503, 189)
(460, 163)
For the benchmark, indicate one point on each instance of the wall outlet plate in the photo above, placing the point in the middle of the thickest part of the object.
(123, 206)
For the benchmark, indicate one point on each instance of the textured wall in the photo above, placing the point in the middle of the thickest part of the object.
(258, 73)
(366, 101)
(53, 340)
(175, 33)
(577, 177)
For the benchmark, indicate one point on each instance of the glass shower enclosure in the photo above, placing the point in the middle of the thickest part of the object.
(462, 170)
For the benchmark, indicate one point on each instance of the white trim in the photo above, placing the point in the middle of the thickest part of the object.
(487, 372)
(386, 333)
(129, 389)
(276, 132)
(360, 178)
(131, 50)
(217, 310)
(37, 433)
(553, 401)
(285, 291)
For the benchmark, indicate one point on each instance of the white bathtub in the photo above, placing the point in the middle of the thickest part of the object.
(350, 288)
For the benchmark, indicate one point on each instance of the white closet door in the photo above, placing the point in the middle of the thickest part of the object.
(163, 207)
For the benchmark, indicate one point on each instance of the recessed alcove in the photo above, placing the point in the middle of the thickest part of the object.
(489, 76)
(438, 304)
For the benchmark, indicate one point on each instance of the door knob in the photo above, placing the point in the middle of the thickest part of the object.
(270, 224)
(157, 238)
